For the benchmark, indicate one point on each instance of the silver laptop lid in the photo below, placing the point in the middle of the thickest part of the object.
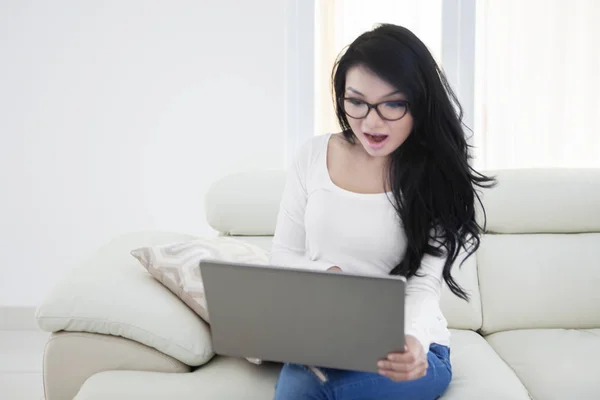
(325, 319)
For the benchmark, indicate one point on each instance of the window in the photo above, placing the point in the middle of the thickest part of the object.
(537, 88)
(530, 80)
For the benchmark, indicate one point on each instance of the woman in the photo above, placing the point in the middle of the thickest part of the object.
(392, 194)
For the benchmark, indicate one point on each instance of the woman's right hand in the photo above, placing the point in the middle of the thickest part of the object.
(334, 269)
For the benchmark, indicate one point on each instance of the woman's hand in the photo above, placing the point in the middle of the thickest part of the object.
(334, 269)
(407, 366)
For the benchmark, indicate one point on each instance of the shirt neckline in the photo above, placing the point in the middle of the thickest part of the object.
(384, 195)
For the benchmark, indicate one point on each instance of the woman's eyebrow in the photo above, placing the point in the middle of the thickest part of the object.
(351, 89)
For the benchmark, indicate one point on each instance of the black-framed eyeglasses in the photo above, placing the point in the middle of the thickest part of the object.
(387, 110)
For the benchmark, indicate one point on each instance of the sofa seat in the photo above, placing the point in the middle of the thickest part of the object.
(479, 373)
(553, 364)
(222, 378)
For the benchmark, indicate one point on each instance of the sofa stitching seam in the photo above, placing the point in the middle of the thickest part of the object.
(147, 349)
(203, 354)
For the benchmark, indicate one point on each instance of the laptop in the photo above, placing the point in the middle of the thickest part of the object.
(321, 319)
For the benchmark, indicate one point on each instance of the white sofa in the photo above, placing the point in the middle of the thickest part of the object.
(531, 330)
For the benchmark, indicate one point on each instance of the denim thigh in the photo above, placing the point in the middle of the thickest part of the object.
(304, 382)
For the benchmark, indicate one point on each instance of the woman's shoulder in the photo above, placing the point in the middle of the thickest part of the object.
(319, 143)
(313, 148)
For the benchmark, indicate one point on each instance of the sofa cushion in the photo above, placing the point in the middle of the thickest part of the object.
(539, 281)
(264, 242)
(553, 364)
(459, 313)
(112, 294)
(478, 374)
(175, 265)
(246, 203)
(72, 357)
(222, 378)
(539, 200)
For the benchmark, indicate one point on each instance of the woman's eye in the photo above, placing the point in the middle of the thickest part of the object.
(355, 102)
(395, 104)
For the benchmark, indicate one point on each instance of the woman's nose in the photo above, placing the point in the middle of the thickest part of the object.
(372, 120)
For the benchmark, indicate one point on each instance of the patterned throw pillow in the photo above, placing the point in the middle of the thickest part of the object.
(176, 266)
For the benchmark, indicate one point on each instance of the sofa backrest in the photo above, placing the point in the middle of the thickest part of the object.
(542, 246)
(539, 262)
(245, 204)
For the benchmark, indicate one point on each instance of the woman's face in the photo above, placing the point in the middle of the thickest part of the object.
(378, 136)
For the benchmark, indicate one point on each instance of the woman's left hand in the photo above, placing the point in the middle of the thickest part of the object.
(407, 366)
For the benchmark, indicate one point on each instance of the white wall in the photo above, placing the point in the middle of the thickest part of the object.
(116, 116)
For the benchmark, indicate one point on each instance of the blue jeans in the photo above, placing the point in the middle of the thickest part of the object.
(300, 382)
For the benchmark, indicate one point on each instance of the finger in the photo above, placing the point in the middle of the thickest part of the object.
(391, 366)
(405, 358)
(394, 366)
(404, 376)
(402, 367)
(409, 357)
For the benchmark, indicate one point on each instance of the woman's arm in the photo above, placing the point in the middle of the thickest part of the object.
(421, 311)
(423, 292)
(289, 241)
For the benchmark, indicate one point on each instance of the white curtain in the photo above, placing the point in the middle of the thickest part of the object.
(537, 84)
(339, 22)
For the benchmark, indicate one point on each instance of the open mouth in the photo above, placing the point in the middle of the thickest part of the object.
(376, 139)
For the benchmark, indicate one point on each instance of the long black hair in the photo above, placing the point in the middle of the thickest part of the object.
(429, 175)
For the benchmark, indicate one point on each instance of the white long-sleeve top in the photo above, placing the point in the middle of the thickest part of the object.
(321, 225)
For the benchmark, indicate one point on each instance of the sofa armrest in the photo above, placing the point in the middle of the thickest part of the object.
(70, 358)
(112, 294)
